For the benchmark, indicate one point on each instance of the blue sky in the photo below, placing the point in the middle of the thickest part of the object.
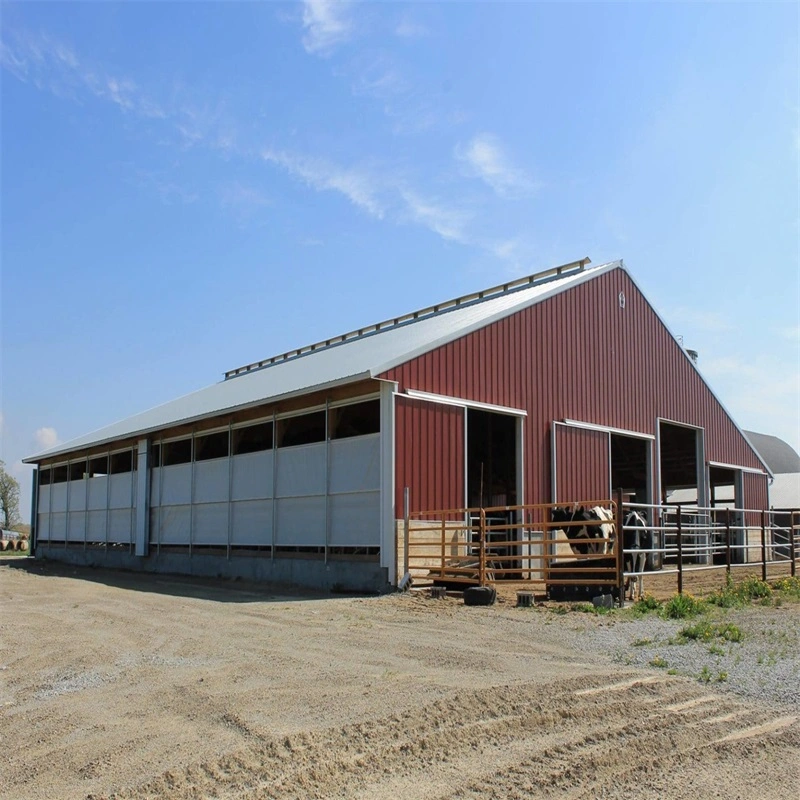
(190, 187)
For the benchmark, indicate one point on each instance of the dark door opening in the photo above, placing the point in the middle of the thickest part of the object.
(682, 485)
(492, 478)
(679, 467)
(491, 459)
(630, 469)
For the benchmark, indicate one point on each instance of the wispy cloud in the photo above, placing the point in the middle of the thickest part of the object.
(484, 158)
(356, 185)
(52, 65)
(191, 120)
(449, 223)
(326, 24)
(206, 123)
(380, 79)
(46, 438)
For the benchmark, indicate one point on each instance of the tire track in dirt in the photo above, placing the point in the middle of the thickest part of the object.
(512, 741)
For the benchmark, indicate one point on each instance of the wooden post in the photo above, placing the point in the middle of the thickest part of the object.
(619, 541)
(482, 549)
(406, 507)
(680, 554)
(763, 545)
(444, 547)
(792, 554)
(728, 542)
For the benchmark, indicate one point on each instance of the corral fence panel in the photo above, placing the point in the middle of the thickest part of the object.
(522, 544)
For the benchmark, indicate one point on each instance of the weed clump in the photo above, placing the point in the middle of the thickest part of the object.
(754, 589)
(591, 608)
(788, 587)
(646, 604)
(734, 595)
(704, 631)
(682, 606)
(730, 632)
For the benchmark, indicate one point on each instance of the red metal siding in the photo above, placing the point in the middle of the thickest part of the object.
(578, 355)
(429, 455)
(755, 495)
(581, 463)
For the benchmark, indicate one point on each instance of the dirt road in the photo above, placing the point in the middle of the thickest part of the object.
(143, 687)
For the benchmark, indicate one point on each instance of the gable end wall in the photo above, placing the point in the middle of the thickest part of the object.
(581, 356)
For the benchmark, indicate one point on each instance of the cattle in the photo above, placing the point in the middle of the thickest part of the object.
(637, 539)
(589, 537)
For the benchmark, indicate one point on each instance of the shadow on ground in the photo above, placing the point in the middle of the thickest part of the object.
(218, 590)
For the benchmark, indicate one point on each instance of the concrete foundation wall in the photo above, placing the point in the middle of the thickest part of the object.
(355, 576)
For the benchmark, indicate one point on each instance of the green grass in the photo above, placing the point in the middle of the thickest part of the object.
(742, 594)
(788, 587)
(702, 631)
(14, 554)
(646, 604)
(682, 606)
(705, 631)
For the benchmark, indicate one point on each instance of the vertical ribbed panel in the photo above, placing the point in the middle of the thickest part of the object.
(581, 462)
(755, 495)
(579, 355)
(430, 454)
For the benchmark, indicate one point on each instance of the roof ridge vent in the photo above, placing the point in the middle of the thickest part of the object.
(573, 267)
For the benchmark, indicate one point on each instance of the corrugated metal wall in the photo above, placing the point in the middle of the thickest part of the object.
(580, 355)
(581, 463)
(429, 455)
(755, 495)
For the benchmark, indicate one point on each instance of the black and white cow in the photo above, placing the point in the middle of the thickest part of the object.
(637, 539)
(589, 537)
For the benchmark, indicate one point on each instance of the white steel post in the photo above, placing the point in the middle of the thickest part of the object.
(142, 516)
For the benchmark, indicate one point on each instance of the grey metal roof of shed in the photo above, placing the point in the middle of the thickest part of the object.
(354, 359)
(779, 455)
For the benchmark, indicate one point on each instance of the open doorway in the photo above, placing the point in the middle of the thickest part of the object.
(492, 475)
(725, 490)
(681, 463)
(630, 467)
(491, 459)
(631, 471)
(724, 486)
(682, 470)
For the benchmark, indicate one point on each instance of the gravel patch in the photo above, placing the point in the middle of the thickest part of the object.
(69, 682)
(764, 666)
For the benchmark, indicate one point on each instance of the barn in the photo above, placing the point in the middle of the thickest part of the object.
(551, 388)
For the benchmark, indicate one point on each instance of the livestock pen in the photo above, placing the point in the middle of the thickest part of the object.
(523, 545)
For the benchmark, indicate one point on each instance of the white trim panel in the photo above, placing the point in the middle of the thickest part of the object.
(574, 423)
(446, 400)
(751, 470)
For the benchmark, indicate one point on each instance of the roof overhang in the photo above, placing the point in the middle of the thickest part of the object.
(69, 447)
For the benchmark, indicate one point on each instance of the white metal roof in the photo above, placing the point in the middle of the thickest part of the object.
(354, 359)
